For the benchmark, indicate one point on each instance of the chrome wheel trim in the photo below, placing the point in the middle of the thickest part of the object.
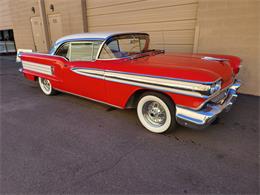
(149, 124)
(45, 85)
(154, 113)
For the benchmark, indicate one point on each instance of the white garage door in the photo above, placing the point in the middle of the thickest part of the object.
(171, 23)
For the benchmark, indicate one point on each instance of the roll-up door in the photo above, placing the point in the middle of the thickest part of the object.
(170, 23)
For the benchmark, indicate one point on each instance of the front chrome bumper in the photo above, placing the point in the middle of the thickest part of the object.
(205, 116)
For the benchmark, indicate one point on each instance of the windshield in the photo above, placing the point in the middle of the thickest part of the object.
(125, 46)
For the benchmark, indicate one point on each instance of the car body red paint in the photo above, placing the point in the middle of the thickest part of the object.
(184, 67)
(190, 67)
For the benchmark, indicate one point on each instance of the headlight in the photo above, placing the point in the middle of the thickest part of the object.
(215, 87)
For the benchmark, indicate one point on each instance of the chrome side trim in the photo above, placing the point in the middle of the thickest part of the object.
(159, 81)
(90, 73)
(36, 67)
(164, 77)
(184, 81)
(160, 88)
(146, 81)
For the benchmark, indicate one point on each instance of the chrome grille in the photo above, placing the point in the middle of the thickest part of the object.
(220, 98)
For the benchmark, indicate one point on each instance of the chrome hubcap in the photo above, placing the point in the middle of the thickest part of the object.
(154, 113)
(46, 84)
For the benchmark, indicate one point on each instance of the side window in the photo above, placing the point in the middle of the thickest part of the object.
(63, 51)
(83, 51)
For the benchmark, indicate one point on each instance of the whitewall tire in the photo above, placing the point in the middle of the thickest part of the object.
(46, 86)
(156, 112)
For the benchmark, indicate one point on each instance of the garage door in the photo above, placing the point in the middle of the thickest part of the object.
(170, 23)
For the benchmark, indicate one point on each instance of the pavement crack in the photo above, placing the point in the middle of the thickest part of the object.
(113, 165)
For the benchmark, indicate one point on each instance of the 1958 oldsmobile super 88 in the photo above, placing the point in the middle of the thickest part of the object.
(119, 69)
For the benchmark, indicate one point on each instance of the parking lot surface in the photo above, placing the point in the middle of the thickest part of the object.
(66, 144)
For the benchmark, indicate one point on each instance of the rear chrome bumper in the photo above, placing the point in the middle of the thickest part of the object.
(205, 116)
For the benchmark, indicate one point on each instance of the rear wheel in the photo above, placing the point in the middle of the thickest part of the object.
(156, 112)
(46, 86)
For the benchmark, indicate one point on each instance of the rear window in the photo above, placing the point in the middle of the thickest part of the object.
(63, 51)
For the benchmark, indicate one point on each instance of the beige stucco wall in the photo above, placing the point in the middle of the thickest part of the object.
(170, 23)
(71, 13)
(222, 26)
(232, 27)
(21, 12)
(17, 14)
(5, 15)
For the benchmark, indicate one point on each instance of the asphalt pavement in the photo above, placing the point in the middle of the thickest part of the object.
(66, 144)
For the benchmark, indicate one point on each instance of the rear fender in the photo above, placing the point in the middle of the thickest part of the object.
(44, 66)
(30, 76)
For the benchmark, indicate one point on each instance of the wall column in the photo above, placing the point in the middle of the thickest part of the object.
(44, 24)
(84, 15)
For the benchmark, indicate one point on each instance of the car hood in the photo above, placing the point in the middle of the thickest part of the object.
(183, 66)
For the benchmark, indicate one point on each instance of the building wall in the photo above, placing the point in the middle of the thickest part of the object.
(206, 26)
(71, 14)
(170, 23)
(21, 12)
(232, 27)
(5, 15)
(18, 16)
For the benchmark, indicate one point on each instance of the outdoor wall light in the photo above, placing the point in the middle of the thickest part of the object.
(52, 7)
(33, 10)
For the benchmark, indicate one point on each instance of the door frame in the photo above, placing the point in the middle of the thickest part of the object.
(42, 32)
(49, 27)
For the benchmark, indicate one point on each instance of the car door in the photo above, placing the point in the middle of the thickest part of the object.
(84, 75)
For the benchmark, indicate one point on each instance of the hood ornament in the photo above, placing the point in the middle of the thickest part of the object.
(214, 59)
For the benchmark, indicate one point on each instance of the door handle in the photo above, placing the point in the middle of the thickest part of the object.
(65, 65)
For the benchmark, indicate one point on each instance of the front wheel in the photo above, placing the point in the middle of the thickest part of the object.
(46, 86)
(156, 112)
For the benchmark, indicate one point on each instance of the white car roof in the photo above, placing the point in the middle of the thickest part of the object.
(88, 36)
(94, 36)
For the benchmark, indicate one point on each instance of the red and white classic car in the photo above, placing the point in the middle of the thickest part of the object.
(120, 70)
